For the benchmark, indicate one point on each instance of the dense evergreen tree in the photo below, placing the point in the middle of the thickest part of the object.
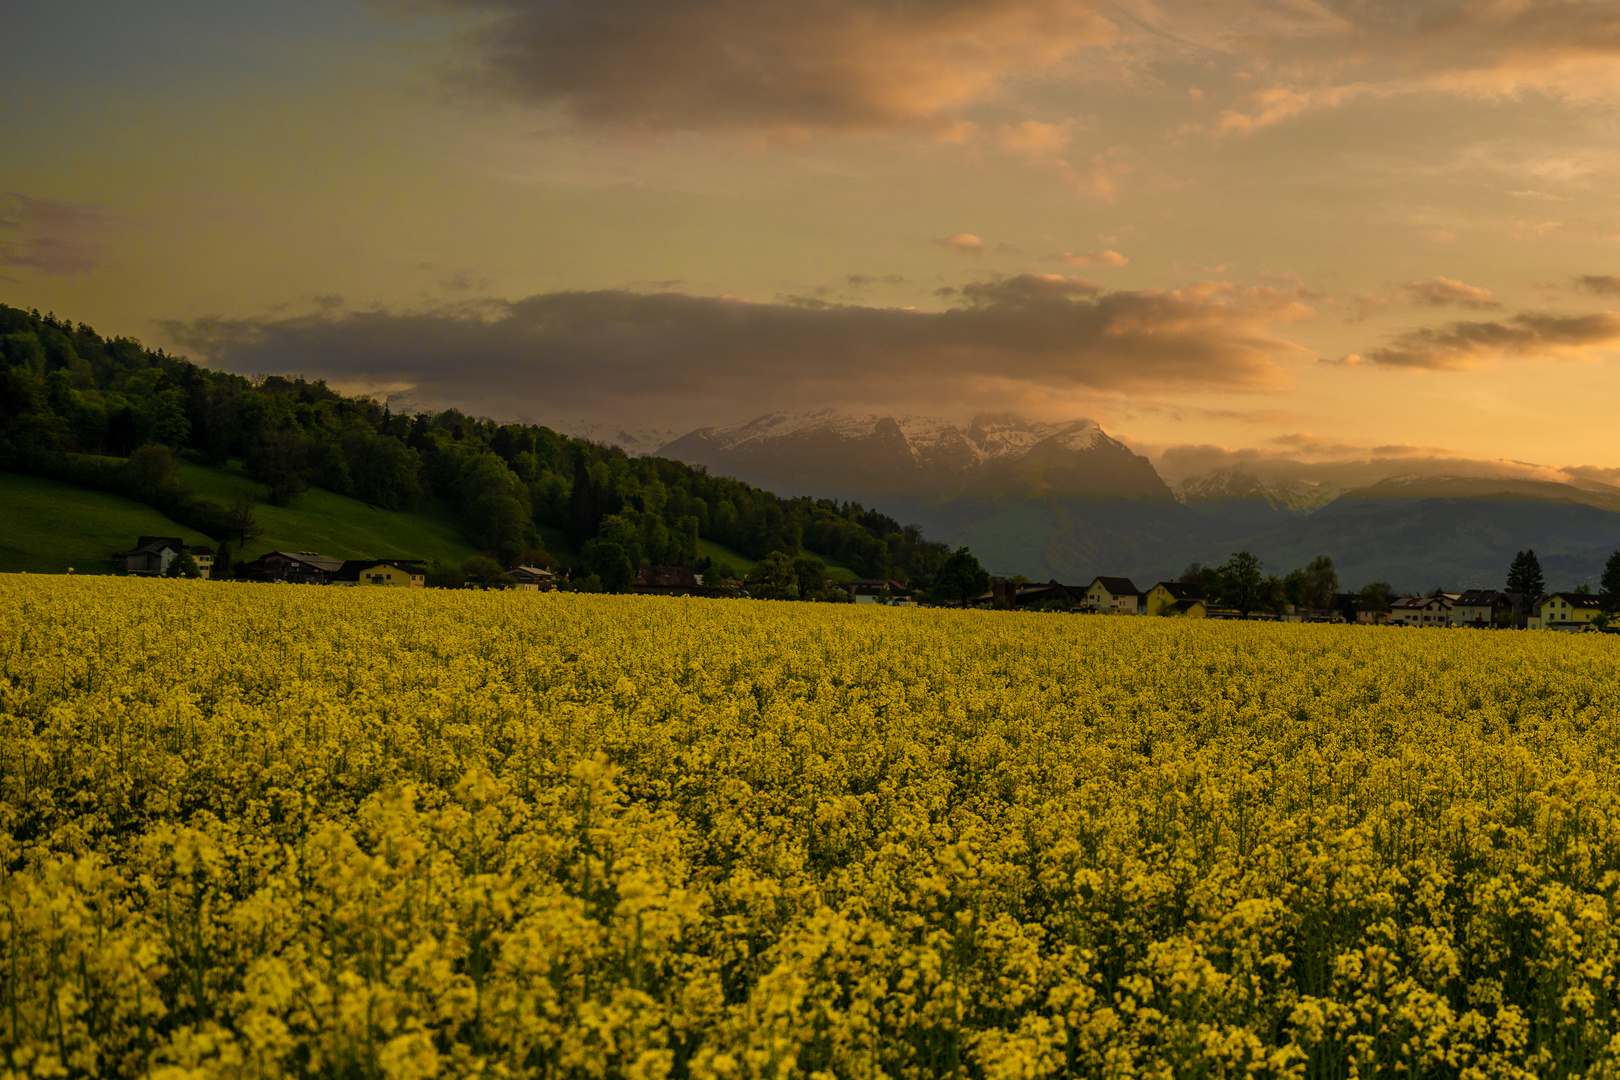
(1524, 576)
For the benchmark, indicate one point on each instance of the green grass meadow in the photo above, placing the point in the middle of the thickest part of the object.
(47, 527)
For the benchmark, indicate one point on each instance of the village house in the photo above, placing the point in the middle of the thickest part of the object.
(1422, 610)
(295, 567)
(1176, 598)
(1051, 593)
(1565, 611)
(1113, 596)
(532, 578)
(668, 581)
(870, 590)
(397, 573)
(152, 555)
(1367, 613)
(1486, 608)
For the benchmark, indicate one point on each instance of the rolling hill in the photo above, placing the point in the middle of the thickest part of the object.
(50, 526)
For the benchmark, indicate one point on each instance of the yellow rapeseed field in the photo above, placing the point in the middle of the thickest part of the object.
(256, 831)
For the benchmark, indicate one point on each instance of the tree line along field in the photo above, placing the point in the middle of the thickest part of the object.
(257, 832)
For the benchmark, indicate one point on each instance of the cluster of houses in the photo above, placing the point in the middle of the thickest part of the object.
(1481, 608)
(153, 555)
(1477, 608)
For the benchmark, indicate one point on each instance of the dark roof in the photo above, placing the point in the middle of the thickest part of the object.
(1051, 590)
(882, 582)
(1575, 599)
(666, 577)
(1415, 602)
(154, 544)
(1117, 585)
(1482, 598)
(1187, 603)
(1181, 590)
(327, 564)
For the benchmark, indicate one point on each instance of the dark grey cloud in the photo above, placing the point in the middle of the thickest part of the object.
(1462, 346)
(50, 236)
(1601, 284)
(675, 358)
(812, 65)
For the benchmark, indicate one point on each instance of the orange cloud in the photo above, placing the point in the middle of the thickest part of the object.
(1092, 258)
(964, 242)
(1464, 346)
(1441, 291)
(806, 65)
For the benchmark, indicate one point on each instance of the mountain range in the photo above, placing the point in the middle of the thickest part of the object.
(1067, 501)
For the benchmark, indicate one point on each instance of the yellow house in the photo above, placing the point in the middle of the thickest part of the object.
(1114, 595)
(1174, 598)
(396, 573)
(1565, 611)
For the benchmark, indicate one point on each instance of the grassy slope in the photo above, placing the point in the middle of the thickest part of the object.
(334, 524)
(47, 526)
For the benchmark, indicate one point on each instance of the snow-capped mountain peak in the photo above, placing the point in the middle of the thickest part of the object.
(829, 450)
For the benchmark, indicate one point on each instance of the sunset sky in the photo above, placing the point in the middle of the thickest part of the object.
(1235, 230)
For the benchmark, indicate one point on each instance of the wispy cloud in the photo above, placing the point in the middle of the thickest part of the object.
(1466, 346)
(967, 243)
(50, 236)
(1091, 258)
(1443, 291)
(1601, 284)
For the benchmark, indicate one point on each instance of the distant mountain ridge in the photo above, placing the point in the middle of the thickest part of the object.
(1489, 487)
(838, 455)
(1066, 500)
(1235, 494)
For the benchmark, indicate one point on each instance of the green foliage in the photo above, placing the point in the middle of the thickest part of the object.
(444, 574)
(1524, 576)
(810, 574)
(485, 573)
(1376, 592)
(774, 577)
(183, 565)
(1321, 583)
(1241, 585)
(960, 578)
(612, 566)
(151, 473)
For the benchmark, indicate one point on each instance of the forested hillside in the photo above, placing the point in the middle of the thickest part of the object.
(113, 415)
